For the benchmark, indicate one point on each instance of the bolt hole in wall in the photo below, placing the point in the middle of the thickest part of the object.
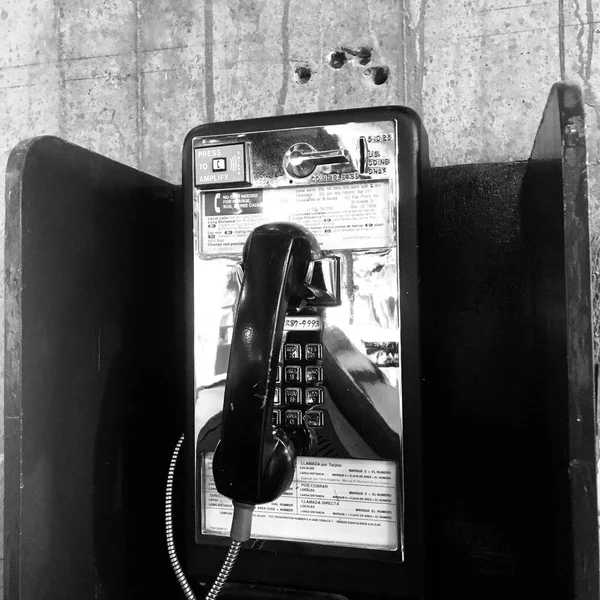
(377, 74)
(337, 59)
(303, 74)
(362, 56)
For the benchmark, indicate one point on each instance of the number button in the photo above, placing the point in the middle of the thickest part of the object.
(293, 418)
(314, 418)
(293, 374)
(292, 352)
(314, 374)
(313, 351)
(276, 417)
(278, 380)
(293, 396)
(277, 397)
(314, 396)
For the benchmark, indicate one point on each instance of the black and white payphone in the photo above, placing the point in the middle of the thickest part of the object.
(303, 375)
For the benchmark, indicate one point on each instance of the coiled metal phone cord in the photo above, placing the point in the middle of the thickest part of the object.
(234, 549)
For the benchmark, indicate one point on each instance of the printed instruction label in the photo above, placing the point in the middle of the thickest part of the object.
(353, 216)
(343, 502)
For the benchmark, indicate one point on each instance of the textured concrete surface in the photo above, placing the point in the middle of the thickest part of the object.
(128, 78)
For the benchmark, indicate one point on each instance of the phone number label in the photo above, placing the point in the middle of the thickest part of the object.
(340, 502)
(302, 323)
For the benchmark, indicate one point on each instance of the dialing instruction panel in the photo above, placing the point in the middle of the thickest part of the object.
(343, 501)
(346, 216)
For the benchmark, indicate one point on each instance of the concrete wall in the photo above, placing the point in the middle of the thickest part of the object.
(128, 78)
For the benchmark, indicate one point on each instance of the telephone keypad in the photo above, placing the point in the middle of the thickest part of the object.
(293, 396)
(299, 382)
(276, 417)
(293, 374)
(292, 352)
(313, 352)
(314, 396)
(293, 418)
(314, 418)
(313, 375)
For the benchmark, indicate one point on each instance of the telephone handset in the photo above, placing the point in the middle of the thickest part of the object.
(254, 461)
(304, 346)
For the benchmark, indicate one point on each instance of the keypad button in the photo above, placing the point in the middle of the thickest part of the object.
(314, 374)
(314, 418)
(293, 418)
(278, 380)
(292, 352)
(314, 396)
(276, 417)
(293, 396)
(313, 351)
(277, 396)
(293, 374)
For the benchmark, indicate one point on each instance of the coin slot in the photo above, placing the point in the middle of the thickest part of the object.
(363, 155)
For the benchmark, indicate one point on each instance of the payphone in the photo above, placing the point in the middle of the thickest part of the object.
(303, 344)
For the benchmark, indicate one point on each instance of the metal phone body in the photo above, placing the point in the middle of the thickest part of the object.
(349, 382)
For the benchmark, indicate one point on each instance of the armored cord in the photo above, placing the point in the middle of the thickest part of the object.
(183, 582)
(234, 550)
(240, 532)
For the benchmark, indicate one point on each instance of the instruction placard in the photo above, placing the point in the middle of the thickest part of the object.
(353, 216)
(344, 502)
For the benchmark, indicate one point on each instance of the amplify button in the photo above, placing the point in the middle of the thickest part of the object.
(220, 166)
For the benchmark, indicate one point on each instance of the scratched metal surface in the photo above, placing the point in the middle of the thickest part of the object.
(129, 78)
